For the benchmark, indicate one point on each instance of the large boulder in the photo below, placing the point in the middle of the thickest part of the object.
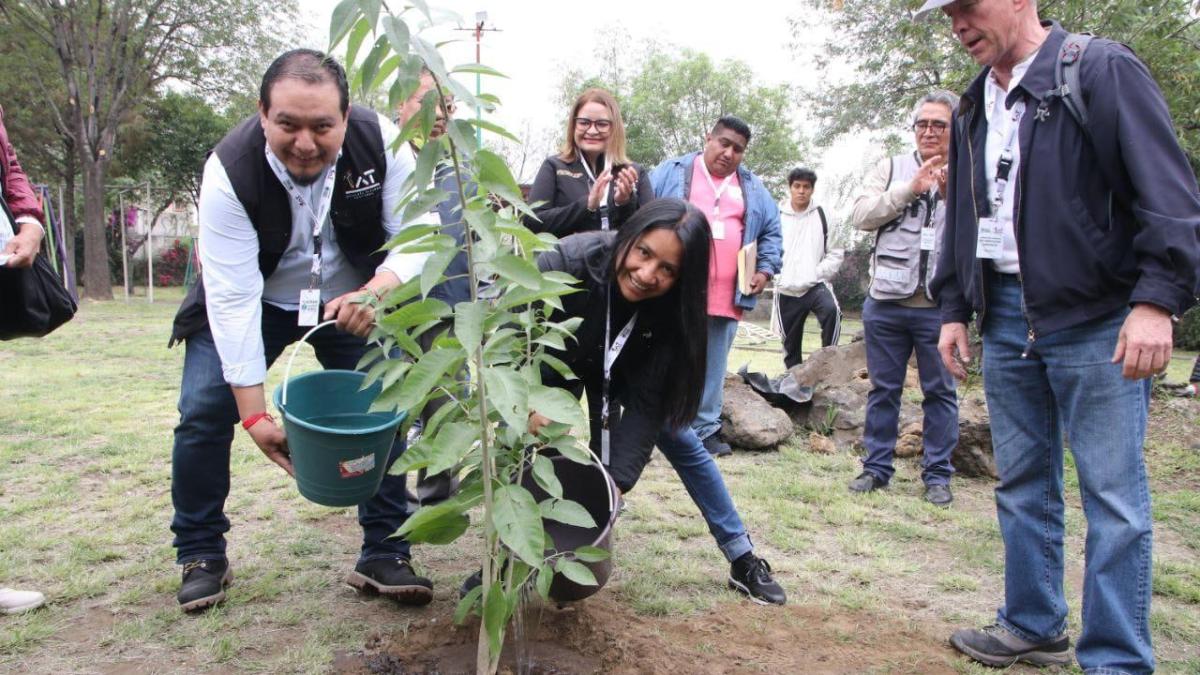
(838, 377)
(748, 421)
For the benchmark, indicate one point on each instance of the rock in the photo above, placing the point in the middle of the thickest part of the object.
(909, 443)
(748, 421)
(822, 445)
(973, 457)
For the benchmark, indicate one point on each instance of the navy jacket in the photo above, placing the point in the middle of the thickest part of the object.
(1082, 254)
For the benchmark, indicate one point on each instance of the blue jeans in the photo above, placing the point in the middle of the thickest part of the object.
(704, 483)
(892, 333)
(1067, 384)
(207, 418)
(721, 332)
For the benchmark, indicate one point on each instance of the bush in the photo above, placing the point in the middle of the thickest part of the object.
(170, 266)
(1187, 331)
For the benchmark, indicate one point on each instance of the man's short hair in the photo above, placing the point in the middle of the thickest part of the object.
(802, 173)
(942, 96)
(734, 124)
(307, 65)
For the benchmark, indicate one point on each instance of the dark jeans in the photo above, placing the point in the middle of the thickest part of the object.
(793, 312)
(207, 418)
(893, 332)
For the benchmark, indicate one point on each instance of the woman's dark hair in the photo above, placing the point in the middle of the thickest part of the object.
(685, 306)
(306, 65)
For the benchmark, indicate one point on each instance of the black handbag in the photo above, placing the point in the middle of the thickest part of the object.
(33, 300)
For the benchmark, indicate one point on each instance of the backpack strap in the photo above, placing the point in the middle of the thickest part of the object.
(824, 232)
(1066, 80)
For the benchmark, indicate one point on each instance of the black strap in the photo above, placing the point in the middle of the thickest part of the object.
(824, 232)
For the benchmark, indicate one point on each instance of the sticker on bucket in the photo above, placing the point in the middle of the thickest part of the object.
(352, 468)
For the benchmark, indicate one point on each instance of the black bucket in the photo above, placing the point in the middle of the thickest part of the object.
(590, 486)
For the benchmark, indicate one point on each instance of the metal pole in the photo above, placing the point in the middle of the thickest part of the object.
(480, 18)
(149, 250)
(124, 247)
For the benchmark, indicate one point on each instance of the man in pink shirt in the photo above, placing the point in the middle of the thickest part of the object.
(740, 211)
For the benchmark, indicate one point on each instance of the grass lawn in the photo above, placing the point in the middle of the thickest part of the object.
(86, 418)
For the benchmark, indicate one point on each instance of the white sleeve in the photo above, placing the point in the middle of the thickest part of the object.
(233, 283)
(400, 164)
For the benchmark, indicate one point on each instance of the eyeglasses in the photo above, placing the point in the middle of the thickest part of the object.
(937, 127)
(583, 123)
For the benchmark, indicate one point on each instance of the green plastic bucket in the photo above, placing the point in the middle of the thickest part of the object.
(339, 449)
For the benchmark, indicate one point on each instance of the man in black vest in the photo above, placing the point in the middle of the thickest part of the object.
(295, 204)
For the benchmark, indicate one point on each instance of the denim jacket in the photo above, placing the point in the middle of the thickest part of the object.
(673, 178)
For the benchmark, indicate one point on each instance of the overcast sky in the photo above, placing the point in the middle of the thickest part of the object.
(539, 39)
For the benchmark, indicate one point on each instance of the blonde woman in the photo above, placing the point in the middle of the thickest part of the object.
(590, 184)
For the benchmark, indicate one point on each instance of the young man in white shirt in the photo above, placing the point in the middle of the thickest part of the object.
(809, 264)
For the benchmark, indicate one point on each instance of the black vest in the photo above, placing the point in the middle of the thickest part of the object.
(356, 211)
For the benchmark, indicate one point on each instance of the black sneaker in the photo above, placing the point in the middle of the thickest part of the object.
(203, 584)
(393, 577)
(996, 646)
(470, 583)
(717, 447)
(751, 576)
(939, 495)
(867, 482)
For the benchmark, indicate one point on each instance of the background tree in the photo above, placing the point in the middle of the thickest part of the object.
(112, 55)
(893, 60)
(670, 100)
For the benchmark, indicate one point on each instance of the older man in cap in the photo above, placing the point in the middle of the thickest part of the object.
(1072, 237)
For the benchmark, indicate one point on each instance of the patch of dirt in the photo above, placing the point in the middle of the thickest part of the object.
(602, 636)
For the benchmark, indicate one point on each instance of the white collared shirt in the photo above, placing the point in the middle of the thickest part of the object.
(233, 284)
(999, 119)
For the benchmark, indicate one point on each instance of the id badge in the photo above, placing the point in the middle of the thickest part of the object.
(718, 228)
(605, 447)
(989, 242)
(310, 305)
(928, 238)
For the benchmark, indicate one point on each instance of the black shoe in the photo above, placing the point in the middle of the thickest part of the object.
(939, 495)
(203, 584)
(717, 447)
(867, 482)
(996, 646)
(393, 577)
(470, 583)
(752, 576)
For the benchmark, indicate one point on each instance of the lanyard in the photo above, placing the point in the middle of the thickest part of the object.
(318, 216)
(1005, 163)
(717, 192)
(612, 349)
(587, 169)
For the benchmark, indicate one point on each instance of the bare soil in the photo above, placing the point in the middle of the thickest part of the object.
(599, 635)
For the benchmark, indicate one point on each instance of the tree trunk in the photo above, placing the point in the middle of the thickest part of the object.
(97, 277)
(68, 211)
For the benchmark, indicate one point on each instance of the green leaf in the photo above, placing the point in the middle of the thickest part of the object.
(518, 522)
(543, 473)
(425, 375)
(435, 267)
(436, 524)
(577, 572)
(571, 448)
(557, 404)
(343, 18)
(372, 354)
(478, 69)
(552, 340)
(591, 554)
(556, 363)
(495, 616)
(357, 34)
(467, 604)
(519, 270)
(427, 160)
(375, 373)
(430, 244)
(494, 128)
(501, 341)
(452, 443)
(567, 511)
(415, 314)
(370, 9)
(509, 394)
(468, 323)
(397, 33)
(370, 65)
(545, 577)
